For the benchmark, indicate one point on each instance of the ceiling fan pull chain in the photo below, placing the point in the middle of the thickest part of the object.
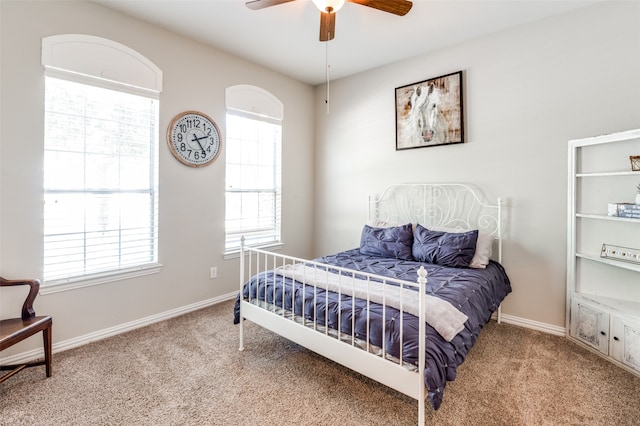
(326, 101)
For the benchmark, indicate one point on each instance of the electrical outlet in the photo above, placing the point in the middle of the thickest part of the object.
(213, 272)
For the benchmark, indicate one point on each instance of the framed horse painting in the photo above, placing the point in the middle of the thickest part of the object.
(429, 113)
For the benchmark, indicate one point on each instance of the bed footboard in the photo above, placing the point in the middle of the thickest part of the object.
(269, 284)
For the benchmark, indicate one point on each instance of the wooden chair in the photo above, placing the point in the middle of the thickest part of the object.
(15, 330)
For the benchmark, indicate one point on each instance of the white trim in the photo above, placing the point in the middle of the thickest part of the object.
(533, 325)
(100, 82)
(58, 286)
(87, 55)
(119, 329)
(254, 100)
(253, 116)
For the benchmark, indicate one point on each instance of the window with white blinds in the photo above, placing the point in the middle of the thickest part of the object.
(253, 180)
(100, 181)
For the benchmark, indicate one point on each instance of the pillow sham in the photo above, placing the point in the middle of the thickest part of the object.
(484, 246)
(444, 248)
(395, 242)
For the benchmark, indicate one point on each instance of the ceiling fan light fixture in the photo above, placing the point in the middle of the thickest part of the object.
(323, 5)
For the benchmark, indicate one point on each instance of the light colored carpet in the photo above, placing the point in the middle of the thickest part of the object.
(188, 371)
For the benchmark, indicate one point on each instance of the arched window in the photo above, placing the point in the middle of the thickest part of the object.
(100, 160)
(253, 167)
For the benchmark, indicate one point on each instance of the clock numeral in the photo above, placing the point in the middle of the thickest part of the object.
(189, 124)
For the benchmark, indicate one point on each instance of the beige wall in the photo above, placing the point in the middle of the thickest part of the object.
(191, 200)
(526, 92)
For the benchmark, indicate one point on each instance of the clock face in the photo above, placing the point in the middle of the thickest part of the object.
(194, 139)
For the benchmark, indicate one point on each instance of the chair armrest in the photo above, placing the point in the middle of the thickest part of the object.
(34, 287)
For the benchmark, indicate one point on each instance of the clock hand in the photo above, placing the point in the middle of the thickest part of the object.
(197, 140)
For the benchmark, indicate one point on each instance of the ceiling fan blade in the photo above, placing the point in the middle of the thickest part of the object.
(261, 4)
(397, 7)
(327, 26)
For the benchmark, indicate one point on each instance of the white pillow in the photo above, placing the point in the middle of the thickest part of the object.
(484, 246)
(376, 223)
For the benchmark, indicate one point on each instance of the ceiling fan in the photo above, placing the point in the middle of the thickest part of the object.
(328, 9)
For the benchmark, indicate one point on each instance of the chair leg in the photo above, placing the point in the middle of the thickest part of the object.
(47, 337)
(15, 369)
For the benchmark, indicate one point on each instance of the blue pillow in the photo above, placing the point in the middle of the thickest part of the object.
(394, 242)
(444, 248)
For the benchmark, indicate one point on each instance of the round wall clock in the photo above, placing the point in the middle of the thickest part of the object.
(194, 139)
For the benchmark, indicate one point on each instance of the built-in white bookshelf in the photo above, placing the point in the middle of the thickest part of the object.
(603, 293)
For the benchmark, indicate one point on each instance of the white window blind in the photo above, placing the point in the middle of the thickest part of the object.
(253, 180)
(100, 181)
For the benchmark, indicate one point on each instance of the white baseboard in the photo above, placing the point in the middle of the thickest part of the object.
(535, 325)
(112, 331)
(143, 322)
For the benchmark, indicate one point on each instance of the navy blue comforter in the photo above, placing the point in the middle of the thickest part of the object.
(475, 292)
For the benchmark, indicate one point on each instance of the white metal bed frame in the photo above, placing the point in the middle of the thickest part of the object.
(447, 205)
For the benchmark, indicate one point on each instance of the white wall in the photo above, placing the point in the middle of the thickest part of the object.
(191, 200)
(526, 92)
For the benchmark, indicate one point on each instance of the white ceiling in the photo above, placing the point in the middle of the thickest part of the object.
(285, 37)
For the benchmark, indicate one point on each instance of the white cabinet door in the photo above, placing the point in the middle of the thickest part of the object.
(590, 325)
(625, 342)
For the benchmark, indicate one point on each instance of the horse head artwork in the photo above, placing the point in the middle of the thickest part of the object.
(428, 118)
(437, 123)
(429, 113)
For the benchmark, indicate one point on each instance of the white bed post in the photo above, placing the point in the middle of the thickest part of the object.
(422, 281)
(241, 348)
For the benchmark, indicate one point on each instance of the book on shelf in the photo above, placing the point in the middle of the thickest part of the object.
(627, 210)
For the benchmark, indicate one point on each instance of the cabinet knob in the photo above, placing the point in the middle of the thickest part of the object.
(615, 338)
(603, 333)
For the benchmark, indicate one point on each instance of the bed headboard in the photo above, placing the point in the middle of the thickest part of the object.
(452, 205)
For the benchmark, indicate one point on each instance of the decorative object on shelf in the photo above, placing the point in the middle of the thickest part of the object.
(429, 113)
(635, 163)
(194, 139)
(624, 210)
(620, 253)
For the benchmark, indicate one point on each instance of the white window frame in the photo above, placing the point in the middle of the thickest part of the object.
(102, 63)
(255, 103)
